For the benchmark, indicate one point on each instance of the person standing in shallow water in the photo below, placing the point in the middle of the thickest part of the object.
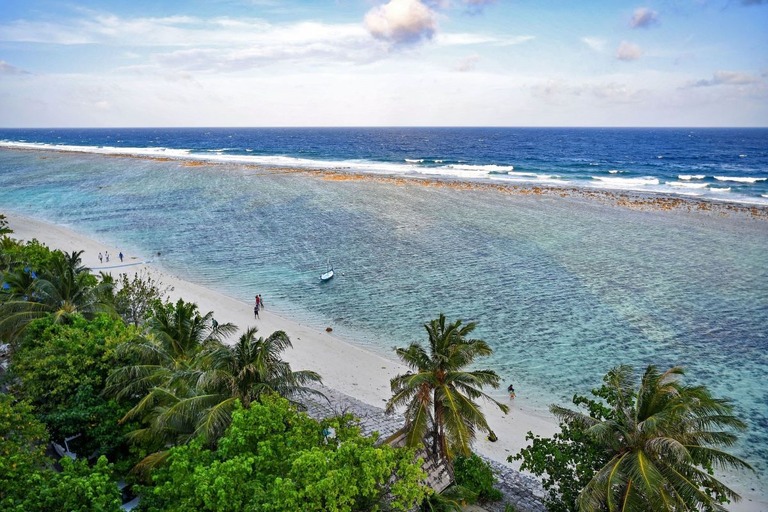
(121, 256)
(511, 390)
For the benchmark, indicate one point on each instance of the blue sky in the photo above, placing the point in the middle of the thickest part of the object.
(383, 63)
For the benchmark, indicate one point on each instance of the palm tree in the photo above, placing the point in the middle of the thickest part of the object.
(66, 288)
(663, 438)
(162, 372)
(245, 372)
(439, 395)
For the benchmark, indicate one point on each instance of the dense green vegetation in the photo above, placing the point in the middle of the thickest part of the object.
(649, 446)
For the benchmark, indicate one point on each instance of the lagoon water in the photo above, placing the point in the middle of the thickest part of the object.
(562, 288)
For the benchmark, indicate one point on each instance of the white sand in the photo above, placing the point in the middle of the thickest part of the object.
(343, 366)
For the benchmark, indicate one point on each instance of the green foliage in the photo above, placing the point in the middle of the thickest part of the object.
(77, 488)
(97, 419)
(135, 297)
(274, 458)
(22, 450)
(53, 360)
(566, 462)
(32, 254)
(475, 474)
(4, 228)
(61, 368)
(646, 446)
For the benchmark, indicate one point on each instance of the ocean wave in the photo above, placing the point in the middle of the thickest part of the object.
(718, 189)
(414, 160)
(528, 177)
(103, 150)
(645, 180)
(491, 168)
(689, 177)
(683, 184)
(739, 179)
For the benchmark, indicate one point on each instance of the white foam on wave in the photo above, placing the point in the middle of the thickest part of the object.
(684, 184)
(689, 177)
(739, 179)
(414, 161)
(487, 168)
(614, 171)
(717, 189)
(529, 177)
(465, 172)
(102, 150)
(643, 181)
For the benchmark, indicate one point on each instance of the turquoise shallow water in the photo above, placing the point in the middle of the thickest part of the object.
(563, 289)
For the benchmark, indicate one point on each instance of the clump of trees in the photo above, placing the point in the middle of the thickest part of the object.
(650, 445)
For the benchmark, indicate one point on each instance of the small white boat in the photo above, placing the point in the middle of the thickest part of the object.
(328, 274)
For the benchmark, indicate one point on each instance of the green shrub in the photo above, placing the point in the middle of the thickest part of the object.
(475, 474)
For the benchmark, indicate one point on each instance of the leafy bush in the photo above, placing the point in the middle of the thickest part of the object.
(476, 475)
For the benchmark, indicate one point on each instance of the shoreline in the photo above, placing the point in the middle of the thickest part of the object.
(344, 367)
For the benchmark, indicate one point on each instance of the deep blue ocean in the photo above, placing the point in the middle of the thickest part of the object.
(563, 288)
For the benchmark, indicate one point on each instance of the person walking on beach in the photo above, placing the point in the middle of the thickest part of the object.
(256, 310)
(511, 390)
(121, 256)
(106, 256)
(101, 258)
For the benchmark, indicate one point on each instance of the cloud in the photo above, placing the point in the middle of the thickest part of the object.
(466, 39)
(643, 18)
(594, 43)
(477, 6)
(401, 21)
(628, 51)
(727, 78)
(560, 91)
(7, 69)
(468, 63)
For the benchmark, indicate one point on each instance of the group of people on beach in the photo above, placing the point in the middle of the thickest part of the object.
(258, 305)
(106, 257)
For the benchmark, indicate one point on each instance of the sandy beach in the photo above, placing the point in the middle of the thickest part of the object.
(342, 365)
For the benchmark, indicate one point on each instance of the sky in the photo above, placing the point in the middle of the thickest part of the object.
(133, 63)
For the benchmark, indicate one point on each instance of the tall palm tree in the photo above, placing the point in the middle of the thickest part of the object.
(439, 394)
(663, 438)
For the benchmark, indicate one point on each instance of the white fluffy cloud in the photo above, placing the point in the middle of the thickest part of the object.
(628, 51)
(643, 18)
(401, 21)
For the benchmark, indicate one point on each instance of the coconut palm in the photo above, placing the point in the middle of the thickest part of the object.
(162, 373)
(439, 394)
(66, 288)
(663, 438)
(245, 371)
